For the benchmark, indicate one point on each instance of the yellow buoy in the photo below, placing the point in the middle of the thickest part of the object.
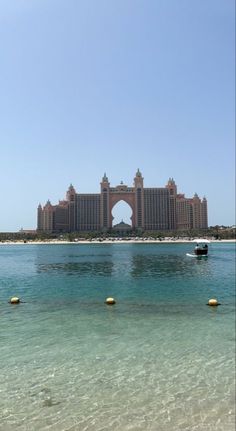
(213, 302)
(110, 301)
(14, 300)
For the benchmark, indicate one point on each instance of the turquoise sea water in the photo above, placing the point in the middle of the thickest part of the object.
(159, 360)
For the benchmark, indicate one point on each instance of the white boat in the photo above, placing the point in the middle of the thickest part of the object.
(200, 249)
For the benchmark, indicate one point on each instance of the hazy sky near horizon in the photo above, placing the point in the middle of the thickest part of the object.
(88, 87)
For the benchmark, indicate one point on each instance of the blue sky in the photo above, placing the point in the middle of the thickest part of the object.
(88, 87)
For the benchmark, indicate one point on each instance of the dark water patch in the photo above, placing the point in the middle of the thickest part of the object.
(87, 255)
(165, 266)
(77, 268)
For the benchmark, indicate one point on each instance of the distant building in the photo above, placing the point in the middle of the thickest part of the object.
(122, 228)
(158, 208)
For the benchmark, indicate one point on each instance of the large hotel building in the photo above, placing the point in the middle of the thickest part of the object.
(153, 209)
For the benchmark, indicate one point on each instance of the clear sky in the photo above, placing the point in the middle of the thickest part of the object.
(89, 86)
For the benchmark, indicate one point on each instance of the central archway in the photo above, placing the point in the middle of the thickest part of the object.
(128, 198)
(121, 212)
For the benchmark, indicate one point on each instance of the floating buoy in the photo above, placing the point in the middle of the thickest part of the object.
(14, 300)
(213, 302)
(110, 301)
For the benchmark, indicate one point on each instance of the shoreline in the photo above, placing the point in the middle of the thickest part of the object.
(117, 241)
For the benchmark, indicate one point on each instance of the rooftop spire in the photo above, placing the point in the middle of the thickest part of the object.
(104, 178)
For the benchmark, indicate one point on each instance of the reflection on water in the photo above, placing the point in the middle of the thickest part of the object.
(166, 266)
(74, 262)
(121, 261)
(77, 268)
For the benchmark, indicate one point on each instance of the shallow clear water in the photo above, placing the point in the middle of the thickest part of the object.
(160, 359)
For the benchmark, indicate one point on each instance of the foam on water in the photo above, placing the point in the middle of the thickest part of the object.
(160, 359)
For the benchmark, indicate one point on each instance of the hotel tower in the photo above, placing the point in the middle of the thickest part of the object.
(153, 209)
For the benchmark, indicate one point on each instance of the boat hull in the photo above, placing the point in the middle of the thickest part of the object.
(201, 252)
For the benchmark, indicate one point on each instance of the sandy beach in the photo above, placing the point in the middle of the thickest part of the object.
(113, 241)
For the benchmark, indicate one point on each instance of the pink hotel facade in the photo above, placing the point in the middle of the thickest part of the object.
(153, 209)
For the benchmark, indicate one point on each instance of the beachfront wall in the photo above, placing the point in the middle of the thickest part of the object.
(153, 209)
